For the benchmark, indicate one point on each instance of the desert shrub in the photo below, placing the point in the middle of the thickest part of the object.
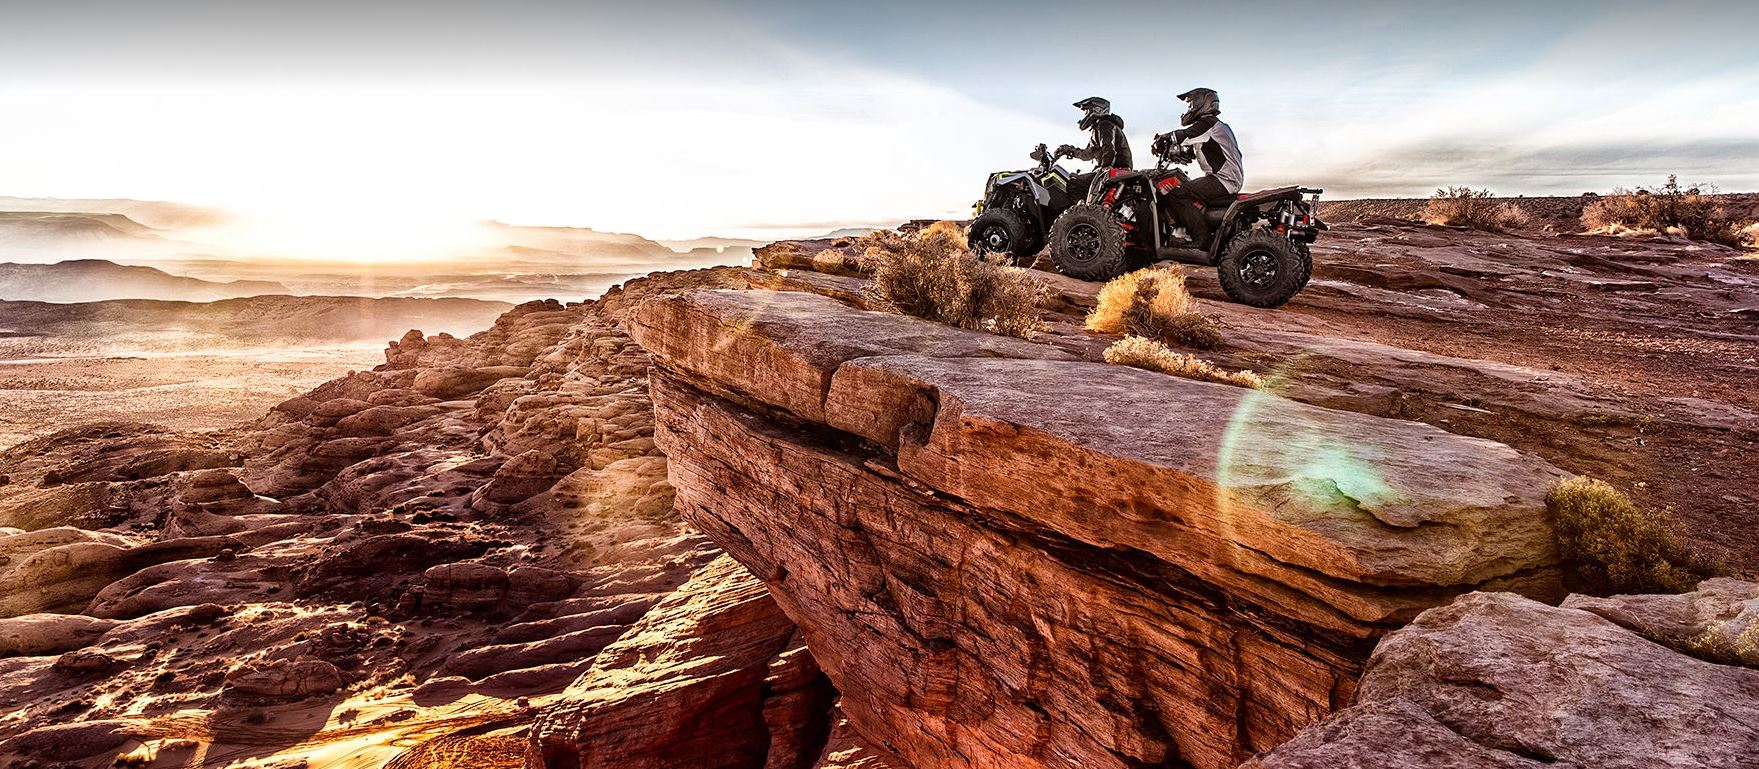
(1138, 352)
(946, 226)
(1748, 236)
(1509, 216)
(1690, 212)
(1153, 304)
(1618, 547)
(932, 275)
(1467, 207)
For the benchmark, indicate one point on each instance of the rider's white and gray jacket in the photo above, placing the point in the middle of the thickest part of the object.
(1217, 153)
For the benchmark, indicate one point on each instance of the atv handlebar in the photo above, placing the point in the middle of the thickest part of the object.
(1045, 157)
(1171, 153)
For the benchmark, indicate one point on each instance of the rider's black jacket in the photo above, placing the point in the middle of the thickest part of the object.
(1108, 148)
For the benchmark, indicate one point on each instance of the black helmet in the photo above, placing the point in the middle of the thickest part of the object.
(1092, 108)
(1201, 103)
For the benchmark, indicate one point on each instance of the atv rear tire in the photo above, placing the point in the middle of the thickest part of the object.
(1263, 268)
(1004, 232)
(1089, 243)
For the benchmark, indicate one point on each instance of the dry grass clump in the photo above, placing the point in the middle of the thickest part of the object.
(1717, 644)
(1137, 352)
(1689, 212)
(1153, 304)
(932, 275)
(946, 226)
(1512, 217)
(1467, 207)
(1748, 236)
(1618, 547)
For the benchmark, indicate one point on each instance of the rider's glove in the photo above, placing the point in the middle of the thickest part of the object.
(1069, 150)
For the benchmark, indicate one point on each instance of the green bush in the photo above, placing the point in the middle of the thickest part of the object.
(1618, 547)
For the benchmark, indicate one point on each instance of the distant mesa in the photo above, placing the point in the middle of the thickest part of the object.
(577, 240)
(849, 232)
(150, 213)
(95, 280)
(26, 225)
(255, 320)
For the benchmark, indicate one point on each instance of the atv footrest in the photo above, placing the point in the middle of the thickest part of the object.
(1184, 254)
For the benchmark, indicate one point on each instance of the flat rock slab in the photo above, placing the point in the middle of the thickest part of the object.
(1243, 487)
(785, 345)
(1141, 454)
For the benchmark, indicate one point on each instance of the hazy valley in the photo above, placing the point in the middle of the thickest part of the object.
(138, 309)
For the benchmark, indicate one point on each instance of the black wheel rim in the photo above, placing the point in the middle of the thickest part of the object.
(1084, 242)
(994, 239)
(1258, 269)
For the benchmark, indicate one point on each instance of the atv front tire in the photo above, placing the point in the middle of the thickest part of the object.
(1089, 243)
(1003, 232)
(1262, 268)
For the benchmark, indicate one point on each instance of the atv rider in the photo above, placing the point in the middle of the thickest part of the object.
(1211, 143)
(1107, 149)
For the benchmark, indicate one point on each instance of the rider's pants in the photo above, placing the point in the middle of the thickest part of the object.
(1185, 204)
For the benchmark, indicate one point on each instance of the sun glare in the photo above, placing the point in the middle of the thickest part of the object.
(358, 234)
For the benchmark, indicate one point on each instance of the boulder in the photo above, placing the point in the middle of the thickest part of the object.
(449, 382)
(87, 662)
(283, 679)
(40, 634)
(1718, 622)
(61, 742)
(527, 585)
(786, 345)
(1498, 680)
(520, 478)
(464, 586)
(57, 569)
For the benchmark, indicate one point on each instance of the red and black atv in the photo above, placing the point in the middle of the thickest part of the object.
(1258, 241)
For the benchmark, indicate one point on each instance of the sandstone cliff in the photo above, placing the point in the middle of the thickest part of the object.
(1005, 556)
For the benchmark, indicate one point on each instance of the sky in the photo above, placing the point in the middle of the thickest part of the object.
(342, 126)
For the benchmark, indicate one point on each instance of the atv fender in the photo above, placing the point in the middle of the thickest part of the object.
(1225, 230)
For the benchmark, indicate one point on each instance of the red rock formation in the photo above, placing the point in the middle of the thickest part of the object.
(993, 576)
(712, 678)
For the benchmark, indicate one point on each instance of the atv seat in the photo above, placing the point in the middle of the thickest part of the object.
(1216, 210)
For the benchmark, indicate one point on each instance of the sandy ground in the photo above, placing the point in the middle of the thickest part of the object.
(47, 383)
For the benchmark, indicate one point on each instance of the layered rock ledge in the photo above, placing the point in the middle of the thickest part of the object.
(1003, 555)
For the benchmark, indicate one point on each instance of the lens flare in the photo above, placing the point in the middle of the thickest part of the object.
(1272, 442)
